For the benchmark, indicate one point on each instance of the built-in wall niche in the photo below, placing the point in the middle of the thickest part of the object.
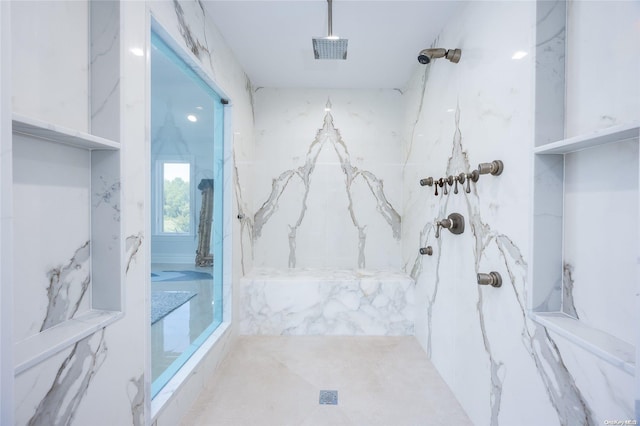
(585, 241)
(66, 237)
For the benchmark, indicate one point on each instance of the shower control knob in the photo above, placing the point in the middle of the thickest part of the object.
(428, 250)
(492, 278)
(426, 181)
(454, 223)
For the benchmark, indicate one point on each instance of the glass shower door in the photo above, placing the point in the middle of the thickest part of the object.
(186, 215)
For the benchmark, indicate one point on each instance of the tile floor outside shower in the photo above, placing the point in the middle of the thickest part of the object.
(277, 380)
(172, 334)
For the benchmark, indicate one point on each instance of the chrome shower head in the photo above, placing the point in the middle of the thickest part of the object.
(330, 47)
(426, 55)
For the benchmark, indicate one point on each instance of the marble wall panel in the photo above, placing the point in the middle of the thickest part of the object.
(52, 392)
(503, 368)
(69, 387)
(327, 178)
(603, 89)
(52, 84)
(600, 265)
(52, 196)
(51, 80)
(6, 222)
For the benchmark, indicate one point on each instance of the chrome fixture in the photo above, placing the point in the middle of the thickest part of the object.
(428, 250)
(330, 47)
(426, 55)
(460, 178)
(426, 181)
(471, 177)
(454, 223)
(492, 278)
(495, 168)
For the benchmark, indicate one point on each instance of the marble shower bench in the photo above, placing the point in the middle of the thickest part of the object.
(327, 302)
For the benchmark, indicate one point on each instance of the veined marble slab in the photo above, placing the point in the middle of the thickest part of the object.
(328, 302)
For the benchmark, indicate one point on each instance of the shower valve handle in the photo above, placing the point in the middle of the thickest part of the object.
(473, 176)
(448, 181)
(454, 223)
(460, 178)
(443, 184)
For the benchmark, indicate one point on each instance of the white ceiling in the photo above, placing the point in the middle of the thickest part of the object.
(272, 39)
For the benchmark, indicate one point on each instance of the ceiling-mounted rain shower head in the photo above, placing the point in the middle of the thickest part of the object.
(426, 55)
(330, 47)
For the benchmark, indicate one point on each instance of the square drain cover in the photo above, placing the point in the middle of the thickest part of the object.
(329, 397)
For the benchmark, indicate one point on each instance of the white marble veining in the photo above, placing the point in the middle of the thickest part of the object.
(502, 367)
(65, 391)
(326, 302)
(52, 208)
(135, 392)
(340, 176)
(477, 336)
(104, 67)
(68, 285)
(613, 350)
(604, 292)
(52, 85)
(132, 246)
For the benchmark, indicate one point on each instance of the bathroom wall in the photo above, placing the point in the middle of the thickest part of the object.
(504, 368)
(51, 81)
(327, 179)
(6, 231)
(602, 182)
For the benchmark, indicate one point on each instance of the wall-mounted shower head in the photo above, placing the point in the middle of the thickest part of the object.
(426, 55)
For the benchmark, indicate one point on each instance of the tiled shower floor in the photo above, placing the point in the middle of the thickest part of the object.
(277, 380)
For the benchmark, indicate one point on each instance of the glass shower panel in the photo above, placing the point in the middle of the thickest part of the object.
(186, 192)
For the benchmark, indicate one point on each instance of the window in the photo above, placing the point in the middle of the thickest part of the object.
(176, 207)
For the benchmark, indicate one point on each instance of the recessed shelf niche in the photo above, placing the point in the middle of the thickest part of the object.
(66, 190)
(585, 218)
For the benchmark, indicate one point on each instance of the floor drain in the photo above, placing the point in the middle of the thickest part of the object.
(329, 397)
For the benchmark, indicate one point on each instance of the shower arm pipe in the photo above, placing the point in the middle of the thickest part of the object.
(329, 6)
